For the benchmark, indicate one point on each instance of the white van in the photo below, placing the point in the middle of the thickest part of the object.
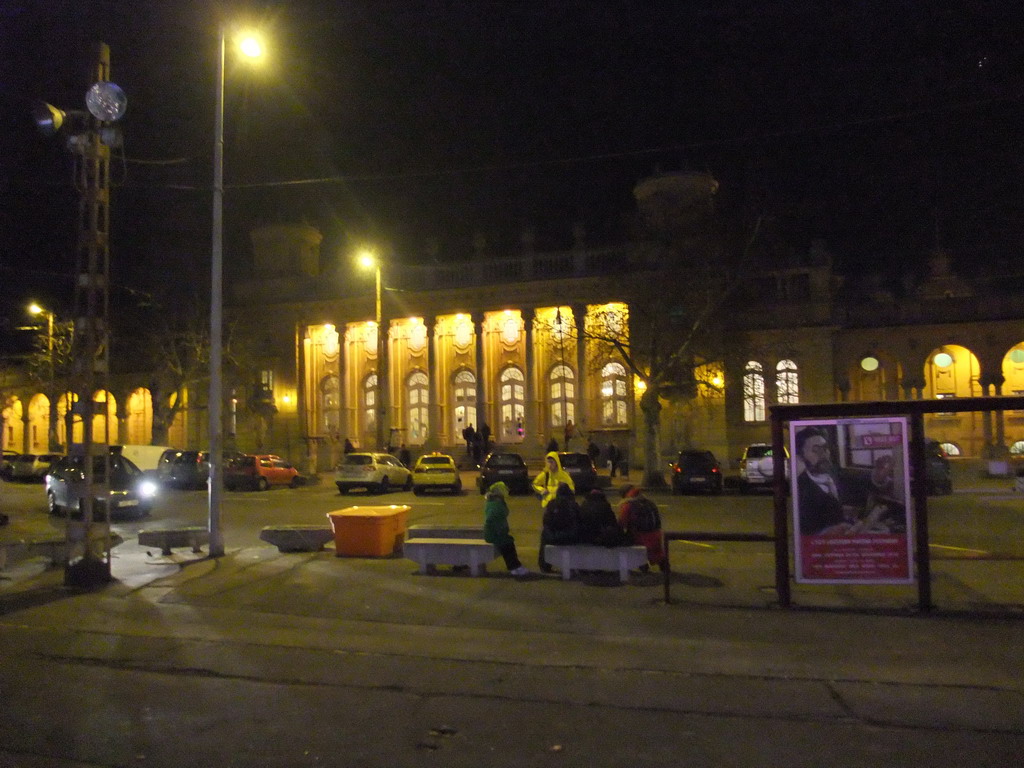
(145, 457)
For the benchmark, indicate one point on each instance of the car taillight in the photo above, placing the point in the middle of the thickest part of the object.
(714, 470)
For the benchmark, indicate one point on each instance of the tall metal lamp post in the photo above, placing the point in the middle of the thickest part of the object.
(250, 46)
(51, 429)
(370, 261)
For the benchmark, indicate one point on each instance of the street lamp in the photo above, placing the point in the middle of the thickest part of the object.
(250, 47)
(51, 427)
(369, 261)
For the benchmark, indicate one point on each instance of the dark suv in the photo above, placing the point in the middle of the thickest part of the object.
(580, 468)
(696, 470)
(508, 468)
(184, 469)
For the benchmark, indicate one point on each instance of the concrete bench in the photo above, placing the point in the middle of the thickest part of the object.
(588, 557)
(475, 553)
(168, 538)
(56, 550)
(297, 538)
(425, 531)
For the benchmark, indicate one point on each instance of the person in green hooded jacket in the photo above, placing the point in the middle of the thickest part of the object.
(496, 529)
(547, 482)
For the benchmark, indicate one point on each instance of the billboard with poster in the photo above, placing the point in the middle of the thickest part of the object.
(852, 517)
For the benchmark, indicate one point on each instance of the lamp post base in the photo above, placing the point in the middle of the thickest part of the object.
(88, 572)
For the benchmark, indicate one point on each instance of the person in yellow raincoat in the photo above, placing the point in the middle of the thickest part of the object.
(547, 482)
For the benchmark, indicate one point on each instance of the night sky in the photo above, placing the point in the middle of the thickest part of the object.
(886, 128)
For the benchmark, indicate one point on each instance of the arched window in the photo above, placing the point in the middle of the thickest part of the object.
(1017, 449)
(513, 404)
(562, 393)
(614, 395)
(104, 419)
(753, 392)
(463, 403)
(370, 408)
(417, 395)
(787, 382)
(330, 405)
(14, 428)
(140, 417)
(66, 415)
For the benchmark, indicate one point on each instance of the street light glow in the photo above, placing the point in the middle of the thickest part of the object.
(250, 45)
(35, 309)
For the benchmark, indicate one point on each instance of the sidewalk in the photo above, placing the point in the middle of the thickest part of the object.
(262, 658)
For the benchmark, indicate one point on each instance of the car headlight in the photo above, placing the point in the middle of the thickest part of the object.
(147, 489)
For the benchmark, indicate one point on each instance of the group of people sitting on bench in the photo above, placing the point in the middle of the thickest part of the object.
(567, 522)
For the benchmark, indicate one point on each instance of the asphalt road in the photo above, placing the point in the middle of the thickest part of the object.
(261, 658)
(984, 517)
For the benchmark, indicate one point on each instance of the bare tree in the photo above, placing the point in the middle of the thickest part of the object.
(170, 342)
(684, 274)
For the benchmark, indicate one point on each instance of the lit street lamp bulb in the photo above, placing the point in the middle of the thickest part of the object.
(250, 46)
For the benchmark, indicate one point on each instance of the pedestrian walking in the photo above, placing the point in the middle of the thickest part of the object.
(613, 459)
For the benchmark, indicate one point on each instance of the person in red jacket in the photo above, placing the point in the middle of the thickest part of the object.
(641, 521)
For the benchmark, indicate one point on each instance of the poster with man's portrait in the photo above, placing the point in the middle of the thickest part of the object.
(851, 501)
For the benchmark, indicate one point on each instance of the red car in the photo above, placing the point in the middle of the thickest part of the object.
(258, 473)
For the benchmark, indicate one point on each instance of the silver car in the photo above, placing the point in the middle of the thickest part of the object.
(129, 494)
(32, 466)
(376, 472)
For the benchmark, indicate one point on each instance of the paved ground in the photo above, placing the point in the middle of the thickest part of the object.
(267, 659)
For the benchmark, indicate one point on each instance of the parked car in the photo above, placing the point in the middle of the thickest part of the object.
(183, 469)
(7, 464)
(435, 470)
(130, 492)
(757, 467)
(580, 467)
(32, 466)
(508, 468)
(375, 472)
(937, 469)
(696, 470)
(258, 472)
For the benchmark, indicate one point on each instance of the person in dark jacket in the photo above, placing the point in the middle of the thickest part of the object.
(561, 523)
(598, 524)
(496, 530)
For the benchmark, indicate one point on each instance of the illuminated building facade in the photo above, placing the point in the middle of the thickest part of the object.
(495, 340)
